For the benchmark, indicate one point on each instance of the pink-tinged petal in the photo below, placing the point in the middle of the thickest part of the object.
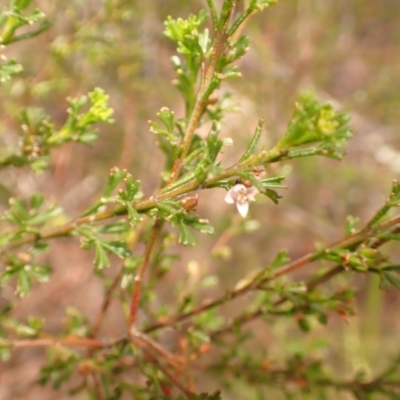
(243, 208)
(238, 188)
(251, 193)
(228, 197)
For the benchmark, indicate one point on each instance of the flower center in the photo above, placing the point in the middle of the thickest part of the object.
(241, 196)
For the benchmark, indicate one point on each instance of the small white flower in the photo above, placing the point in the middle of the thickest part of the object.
(241, 195)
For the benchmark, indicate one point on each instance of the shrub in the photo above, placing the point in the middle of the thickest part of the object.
(185, 335)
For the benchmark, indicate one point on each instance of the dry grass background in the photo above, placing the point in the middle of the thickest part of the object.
(346, 50)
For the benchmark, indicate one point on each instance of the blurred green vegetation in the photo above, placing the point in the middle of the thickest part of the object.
(348, 51)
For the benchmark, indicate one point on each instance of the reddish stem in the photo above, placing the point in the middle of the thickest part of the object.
(142, 269)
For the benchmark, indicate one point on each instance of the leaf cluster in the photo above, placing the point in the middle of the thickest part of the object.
(138, 236)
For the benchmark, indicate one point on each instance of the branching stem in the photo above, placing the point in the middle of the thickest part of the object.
(203, 95)
(348, 242)
(142, 269)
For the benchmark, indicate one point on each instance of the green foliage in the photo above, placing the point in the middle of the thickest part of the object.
(194, 48)
(79, 125)
(389, 276)
(261, 4)
(40, 135)
(24, 273)
(58, 370)
(254, 141)
(392, 201)
(102, 246)
(205, 396)
(8, 69)
(318, 124)
(29, 218)
(14, 17)
(136, 235)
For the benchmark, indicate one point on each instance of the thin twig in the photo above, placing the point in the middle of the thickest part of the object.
(96, 386)
(141, 206)
(175, 361)
(260, 311)
(106, 302)
(149, 347)
(202, 97)
(72, 341)
(270, 375)
(111, 289)
(201, 102)
(186, 391)
(142, 269)
(310, 286)
(349, 242)
(198, 110)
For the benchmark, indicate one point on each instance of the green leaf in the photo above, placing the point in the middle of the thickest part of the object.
(392, 201)
(14, 19)
(185, 31)
(274, 196)
(384, 282)
(76, 323)
(59, 369)
(163, 132)
(88, 137)
(254, 141)
(394, 268)
(297, 287)
(40, 271)
(352, 225)
(201, 171)
(44, 25)
(23, 283)
(40, 218)
(236, 50)
(322, 317)
(274, 182)
(282, 258)
(214, 144)
(116, 227)
(132, 189)
(40, 134)
(167, 117)
(17, 213)
(33, 327)
(79, 126)
(199, 224)
(229, 73)
(20, 5)
(318, 123)
(133, 216)
(117, 247)
(394, 280)
(204, 40)
(193, 46)
(8, 69)
(25, 218)
(198, 337)
(99, 110)
(304, 324)
(115, 178)
(102, 247)
(206, 396)
(36, 201)
(100, 259)
(186, 237)
(260, 5)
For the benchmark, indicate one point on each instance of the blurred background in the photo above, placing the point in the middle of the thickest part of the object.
(347, 51)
